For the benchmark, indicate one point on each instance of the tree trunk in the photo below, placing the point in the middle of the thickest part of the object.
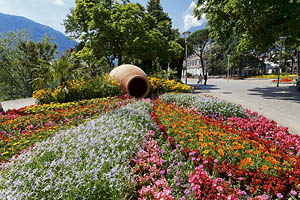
(119, 58)
(241, 67)
(298, 59)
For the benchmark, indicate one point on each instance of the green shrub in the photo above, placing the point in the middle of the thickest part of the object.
(78, 90)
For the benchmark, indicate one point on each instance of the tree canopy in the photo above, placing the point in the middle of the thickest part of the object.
(258, 24)
(122, 31)
(19, 59)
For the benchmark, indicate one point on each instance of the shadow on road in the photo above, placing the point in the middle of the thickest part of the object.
(198, 88)
(277, 93)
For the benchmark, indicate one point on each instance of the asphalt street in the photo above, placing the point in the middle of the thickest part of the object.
(281, 104)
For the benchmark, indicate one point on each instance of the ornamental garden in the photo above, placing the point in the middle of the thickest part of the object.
(174, 145)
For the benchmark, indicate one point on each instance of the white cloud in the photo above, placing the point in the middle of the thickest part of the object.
(59, 2)
(190, 20)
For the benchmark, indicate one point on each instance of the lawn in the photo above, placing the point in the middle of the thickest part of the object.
(177, 146)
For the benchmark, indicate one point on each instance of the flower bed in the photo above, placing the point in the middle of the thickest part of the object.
(22, 128)
(284, 80)
(257, 165)
(87, 162)
(206, 105)
(160, 86)
(199, 148)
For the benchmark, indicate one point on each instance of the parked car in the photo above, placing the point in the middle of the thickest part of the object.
(298, 83)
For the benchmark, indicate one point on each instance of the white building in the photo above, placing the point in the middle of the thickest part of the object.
(193, 66)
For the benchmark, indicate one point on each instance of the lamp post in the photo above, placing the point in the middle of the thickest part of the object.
(186, 34)
(228, 56)
(282, 39)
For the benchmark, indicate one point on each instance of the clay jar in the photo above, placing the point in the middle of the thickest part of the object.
(132, 79)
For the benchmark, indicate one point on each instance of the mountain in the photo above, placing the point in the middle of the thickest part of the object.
(37, 31)
(197, 28)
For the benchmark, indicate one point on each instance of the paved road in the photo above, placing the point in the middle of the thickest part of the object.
(280, 104)
(17, 103)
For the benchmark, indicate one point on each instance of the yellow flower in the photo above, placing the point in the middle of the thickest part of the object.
(206, 152)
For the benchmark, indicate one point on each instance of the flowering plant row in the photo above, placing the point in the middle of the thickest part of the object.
(25, 127)
(206, 105)
(254, 164)
(159, 86)
(90, 161)
(149, 178)
(74, 90)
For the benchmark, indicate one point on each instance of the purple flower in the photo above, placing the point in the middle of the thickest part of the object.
(168, 171)
(216, 160)
(293, 192)
(177, 145)
(179, 164)
(230, 174)
(163, 151)
(172, 165)
(198, 159)
(244, 193)
(183, 198)
(178, 173)
(240, 178)
(279, 195)
(168, 145)
(174, 151)
(176, 178)
(193, 159)
(176, 156)
(162, 172)
(201, 166)
(205, 161)
(187, 192)
(163, 161)
(191, 153)
(178, 184)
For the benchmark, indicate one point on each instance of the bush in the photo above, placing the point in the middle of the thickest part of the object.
(160, 86)
(78, 90)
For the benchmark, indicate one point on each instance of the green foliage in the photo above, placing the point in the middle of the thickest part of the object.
(258, 24)
(78, 90)
(124, 31)
(160, 86)
(19, 58)
(199, 40)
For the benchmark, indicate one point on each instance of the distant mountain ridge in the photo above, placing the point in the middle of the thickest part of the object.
(197, 28)
(37, 31)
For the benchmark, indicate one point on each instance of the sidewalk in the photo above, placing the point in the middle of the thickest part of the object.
(17, 103)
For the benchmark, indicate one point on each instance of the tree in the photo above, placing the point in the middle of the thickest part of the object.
(199, 39)
(258, 24)
(216, 63)
(164, 26)
(19, 57)
(59, 71)
(122, 31)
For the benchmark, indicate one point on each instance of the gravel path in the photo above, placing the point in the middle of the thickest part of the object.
(281, 104)
(17, 103)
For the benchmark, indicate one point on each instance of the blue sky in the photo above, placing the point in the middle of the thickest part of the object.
(52, 12)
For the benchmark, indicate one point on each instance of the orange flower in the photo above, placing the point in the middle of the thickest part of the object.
(203, 145)
(221, 152)
(248, 151)
(206, 151)
(236, 154)
(246, 161)
(265, 167)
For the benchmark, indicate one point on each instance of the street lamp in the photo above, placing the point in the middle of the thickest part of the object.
(186, 35)
(282, 39)
(228, 56)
